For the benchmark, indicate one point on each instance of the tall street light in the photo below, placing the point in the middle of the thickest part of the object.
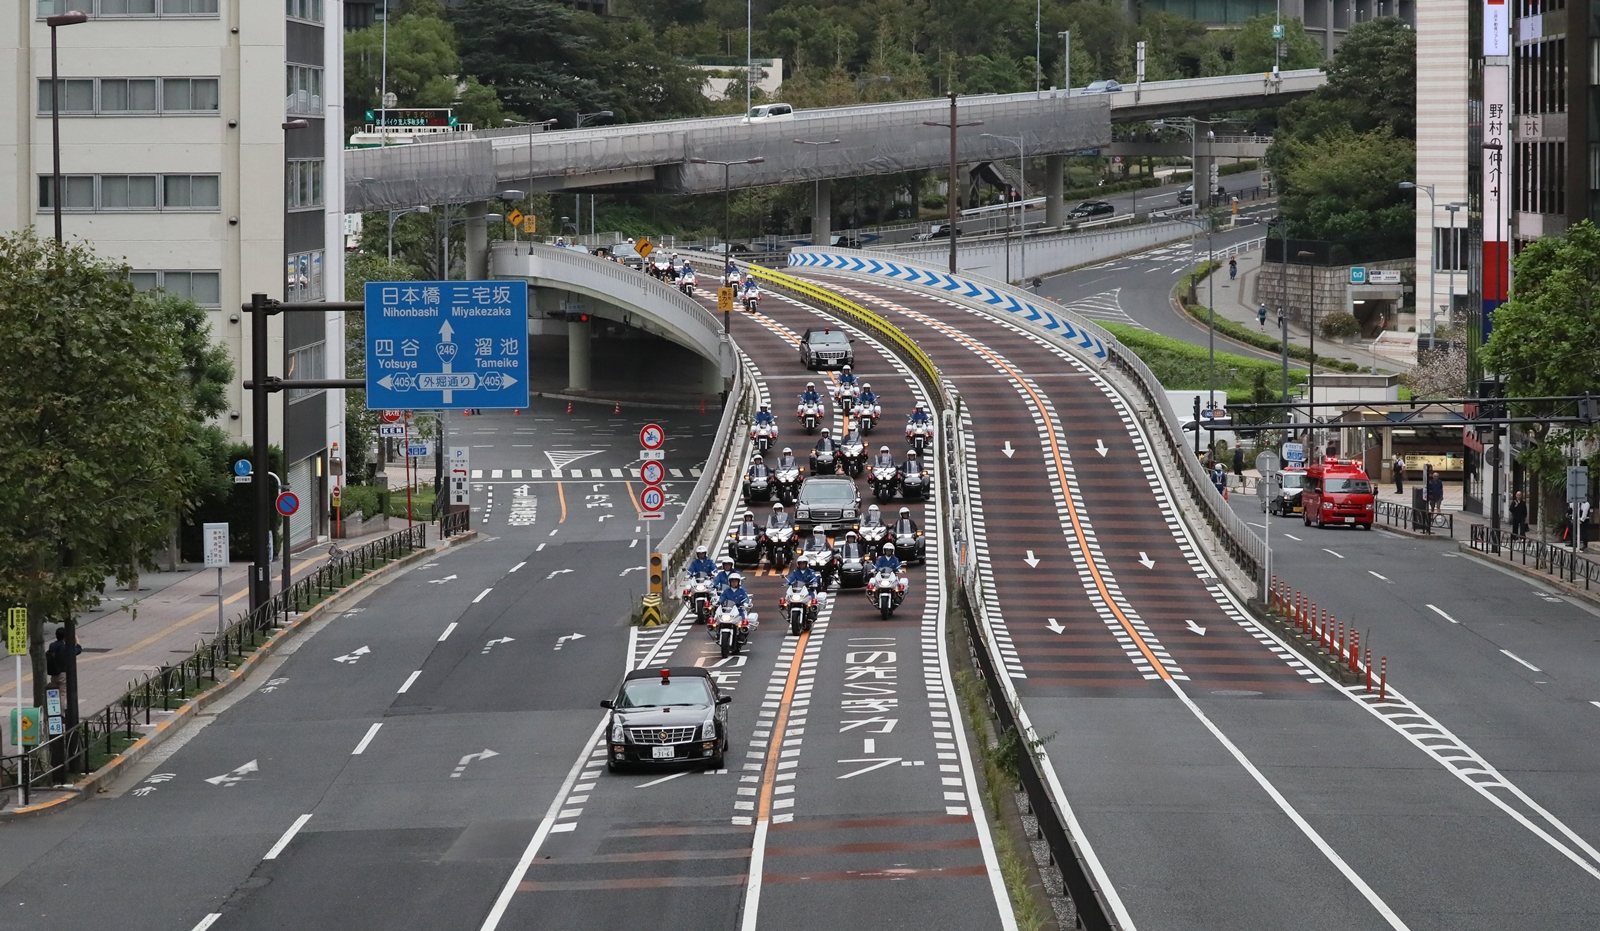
(397, 214)
(56, 22)
(1455, 260)
(1066, 60)
(1311, 366)
(816, 192)
(953, 195)
(727, 218)
(532, 125)
(1433, 247)
(1022, 208)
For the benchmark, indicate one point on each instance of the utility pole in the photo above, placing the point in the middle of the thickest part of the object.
(952, 199)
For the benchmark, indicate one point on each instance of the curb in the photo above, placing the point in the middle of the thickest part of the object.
(95, 782)
(1560, 585)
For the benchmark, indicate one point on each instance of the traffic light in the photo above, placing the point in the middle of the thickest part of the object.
(657, 573)
(1492, 392)
(570, 316)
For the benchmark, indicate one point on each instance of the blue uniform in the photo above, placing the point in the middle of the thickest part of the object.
(810, 396)
(867, 397)
(735, 596)
(720, 580)
(848, 378)
(920, 417)
(888, 562)
(702, 567)
(764, 417)
(805, 577)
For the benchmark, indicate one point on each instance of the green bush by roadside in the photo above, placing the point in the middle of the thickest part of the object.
(1181, 366)
(1241, 333)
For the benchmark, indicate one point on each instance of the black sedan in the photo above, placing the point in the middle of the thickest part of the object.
(1091, 208)
(664, 716)
(826, 347)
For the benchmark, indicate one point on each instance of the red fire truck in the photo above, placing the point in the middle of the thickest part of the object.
(1337, 492)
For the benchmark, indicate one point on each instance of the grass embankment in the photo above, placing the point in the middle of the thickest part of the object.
(1181, 366)
(1241, 333)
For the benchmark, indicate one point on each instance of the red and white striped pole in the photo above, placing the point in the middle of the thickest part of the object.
(1383, 678)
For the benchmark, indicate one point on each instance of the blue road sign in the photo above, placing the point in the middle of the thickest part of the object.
(241, 467)
(447, 344)
(288, 502)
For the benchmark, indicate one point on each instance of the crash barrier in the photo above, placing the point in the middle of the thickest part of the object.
(725, 458)
(1042, 254)
(1556, 560)
(1089, 342)
(102, 735)
(1418, 520)
(1337, 647)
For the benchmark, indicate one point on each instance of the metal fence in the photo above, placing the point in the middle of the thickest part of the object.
(1415, 519)
(100, 736)
(1558, 561)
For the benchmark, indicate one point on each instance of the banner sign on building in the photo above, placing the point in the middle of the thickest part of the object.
(1496, 206)
(1496, 28)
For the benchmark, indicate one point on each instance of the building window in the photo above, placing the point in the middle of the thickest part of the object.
(190, 192)
(142, 9)
(132, 96)
(309, 10)
(302, 184)
(303, 87)
(1449, 249)
(115, 193)
(303, 277)
(306, 362)
(77, 192)
(127, 192)
(204, 288)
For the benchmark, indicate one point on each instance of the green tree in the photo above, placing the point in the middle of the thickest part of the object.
(1250, 47)
(423, 70)
(94, 437)
(1347, 188)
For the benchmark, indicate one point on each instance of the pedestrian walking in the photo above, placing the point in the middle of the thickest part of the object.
(1238, 461)
(1519, 515)
(1399, 474)
(1233, 269)
(1261, 316)
(1584, 533)
(55, 659)
(1435, 493)
(1219, 478)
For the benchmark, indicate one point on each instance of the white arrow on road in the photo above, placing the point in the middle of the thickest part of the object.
(555, 573)
(491, 644)
(1146, 561)
(1100, 447)
(237, 776)
(1195, 628)
(522, 491)
(630, 569)
(1008, 450)
(353, 655)
(472, 758)
(1032, 560)
(604, 516)
(1055, 625)
(562, 641)
(441, 581)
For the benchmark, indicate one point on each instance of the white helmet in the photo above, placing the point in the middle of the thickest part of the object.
(803, 561)
(735, 579)
(883, 449)
(787, 451)
(826, 431)
(811, 384)
(905, 512)
(749, 514)
(701, 551)
(873, 509)
(777, 508)
(866, 386)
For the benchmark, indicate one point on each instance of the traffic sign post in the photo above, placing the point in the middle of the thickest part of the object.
(216, 550)
(451, 345)
(725, 299)
(1268, 464)
(241, 472)
(17, 645)
(288, 503)
(651, 436)
(651, 472)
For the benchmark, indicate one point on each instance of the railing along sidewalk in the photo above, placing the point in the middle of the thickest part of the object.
(1557, 561)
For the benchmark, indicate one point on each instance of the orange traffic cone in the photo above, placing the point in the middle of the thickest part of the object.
(617, 409)
(569, 407)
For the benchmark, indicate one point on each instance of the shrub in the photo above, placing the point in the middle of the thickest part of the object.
(1340, 325)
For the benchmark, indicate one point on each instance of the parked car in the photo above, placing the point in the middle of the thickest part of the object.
(1091, 208)
(1102, 87)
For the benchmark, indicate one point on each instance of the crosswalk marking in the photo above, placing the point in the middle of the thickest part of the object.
(1104, 306)
(477, 473)
(497, 473)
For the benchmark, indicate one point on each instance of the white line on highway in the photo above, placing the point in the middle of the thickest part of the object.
(1435, 610)
(409, 679)
(207, 921)
(1379, 576)
(1294, 538)
(1595, 703)
(481, 595)
(447, 631)
(373, 731)
(656, 782)
(288, 836)
(539, 548)
(519, 565)
(1522, 661)
(1326, 550)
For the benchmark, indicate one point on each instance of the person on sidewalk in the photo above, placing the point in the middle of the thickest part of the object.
(1435, 493)
(1261, 316)
(1219, 478)
(1233, 269)
(1399, 474)
(1585, 528)
(1238, 461)
(1519, 515)
(55, 659)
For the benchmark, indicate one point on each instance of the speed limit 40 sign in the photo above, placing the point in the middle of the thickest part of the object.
(652, 499)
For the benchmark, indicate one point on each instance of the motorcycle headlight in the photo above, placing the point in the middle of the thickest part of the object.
(618, 735)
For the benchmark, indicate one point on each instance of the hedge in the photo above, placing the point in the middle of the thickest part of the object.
(1241, 333)
(1181, 366)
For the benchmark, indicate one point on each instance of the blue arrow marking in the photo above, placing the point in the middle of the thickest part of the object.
(877, 267)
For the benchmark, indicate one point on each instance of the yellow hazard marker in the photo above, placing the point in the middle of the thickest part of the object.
(650, 613)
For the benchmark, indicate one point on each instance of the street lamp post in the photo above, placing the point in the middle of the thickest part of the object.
(1283, 295)
(1022, 209)
(1066, 60)
(397, 214)
(952, 196)
(532, 125)
(816, 190)
(55, 22)
(1311, 366)
(727, 221)
(1433, 247)
(1455, 259)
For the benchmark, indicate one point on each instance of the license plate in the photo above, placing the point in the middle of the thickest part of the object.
(1349, 520)
(662, 753)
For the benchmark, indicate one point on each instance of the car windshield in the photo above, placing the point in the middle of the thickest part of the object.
(828, 494)
(1347, 486)
(1293, 480)
(828, 338)
(657, 693)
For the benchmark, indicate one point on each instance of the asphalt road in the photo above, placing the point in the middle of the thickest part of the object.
(1219, 782)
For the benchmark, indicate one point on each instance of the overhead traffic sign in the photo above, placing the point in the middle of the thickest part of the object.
(652, 499)
(652, 472)
(447, 344)
(288, 502)
(651, 436)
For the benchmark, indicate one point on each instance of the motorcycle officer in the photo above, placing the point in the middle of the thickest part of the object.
(735, 594)
(764, 415)
(786, 460)
(810, 395)
(779, 518)
(847, 378)
(919, 415)
(825, 443)
(702, 564)
(887, 559)
(905, 526)
(720, 580)
(912, 466)
(884, 463)
(752, 289)
(873, 518)
(867, 397)
(803, 574)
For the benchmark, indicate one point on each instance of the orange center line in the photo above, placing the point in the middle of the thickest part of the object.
(764, 809)
(631, 497)
(561, 492)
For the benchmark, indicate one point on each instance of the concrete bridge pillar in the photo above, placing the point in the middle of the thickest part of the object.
(822, 213)
(578, 347)
(477, 245)
(1055, 207)
(711, 384)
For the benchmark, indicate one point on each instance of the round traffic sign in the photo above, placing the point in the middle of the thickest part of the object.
(652, 472)
(651, 436)
(652, 498)
(391, 416)
(241, 467)
(288, 503)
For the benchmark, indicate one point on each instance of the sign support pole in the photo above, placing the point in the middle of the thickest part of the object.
(16, 735)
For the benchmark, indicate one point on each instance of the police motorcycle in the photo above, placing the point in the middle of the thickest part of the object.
(757, 481)
(799, 605)
(852, 453)
(730, 631)
(699, 594)
(687, 279)
(909, 544)
(845, 391)
(744, 541)
(854, 565)
(809, 413)
(823, 557)
(779, 538)
(751, 296)
(786, 477)
(825, 455)
(866, 410)
(883, 474)
(873, 532)
(919, 430)
(764, 433)
(914, 482)
(887, 590)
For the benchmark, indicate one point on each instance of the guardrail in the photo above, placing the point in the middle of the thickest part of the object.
(690, 526)
(1558, 561)
(100, 736)
(1418, 520)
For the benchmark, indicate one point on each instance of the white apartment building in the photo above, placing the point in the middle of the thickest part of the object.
(1442, 148)
(176, 160)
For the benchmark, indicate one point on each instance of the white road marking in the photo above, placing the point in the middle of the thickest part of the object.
(656, 782)
(520, 564)
(372, 731)
(207, 921)
(1294, 538)
(1595, 703)
(1435, 610)
(1196, 628)
(288, 836)
(481, 595)
(447, 631)
(409, 679)
(1326, 550)
(1032, 561)
(1377, 575)
(1522, 661)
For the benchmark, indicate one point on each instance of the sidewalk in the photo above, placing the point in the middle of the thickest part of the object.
(1233, 303)
(133, 633)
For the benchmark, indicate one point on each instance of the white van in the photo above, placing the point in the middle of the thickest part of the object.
(770, 111)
